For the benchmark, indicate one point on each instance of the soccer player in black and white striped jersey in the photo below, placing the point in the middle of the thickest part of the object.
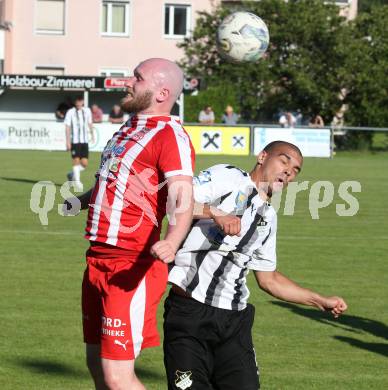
(207, 328)
(78, 123)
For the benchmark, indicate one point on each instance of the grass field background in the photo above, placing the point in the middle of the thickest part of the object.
(297, 347)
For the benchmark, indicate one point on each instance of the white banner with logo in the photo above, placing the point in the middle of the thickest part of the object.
(311, 142)
(32, 135)
(51, 135)
(48, 135)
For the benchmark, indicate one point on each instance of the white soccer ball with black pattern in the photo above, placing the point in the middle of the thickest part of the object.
(242, 37)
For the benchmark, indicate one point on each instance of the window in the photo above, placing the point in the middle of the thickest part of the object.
(51, 70)
(177, 20)
(50, 17)
(115, 17)
(112, 72)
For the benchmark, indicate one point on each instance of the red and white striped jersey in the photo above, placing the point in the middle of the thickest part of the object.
(128, 201)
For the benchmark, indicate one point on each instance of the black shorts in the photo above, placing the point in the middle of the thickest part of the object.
(80, 150)
(207, 348)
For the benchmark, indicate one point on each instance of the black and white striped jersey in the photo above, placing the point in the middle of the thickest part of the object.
(211, 266)
(78, 121)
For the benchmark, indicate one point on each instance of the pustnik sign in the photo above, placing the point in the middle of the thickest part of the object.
(48, 135)
(31, 135)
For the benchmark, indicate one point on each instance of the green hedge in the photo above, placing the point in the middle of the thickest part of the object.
(218, 97)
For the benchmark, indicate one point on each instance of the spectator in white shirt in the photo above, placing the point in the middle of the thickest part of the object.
(206, 116)
(287, 120)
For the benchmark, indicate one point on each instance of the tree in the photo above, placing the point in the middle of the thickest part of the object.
(367, 82)
(304, 66)
(366, 5)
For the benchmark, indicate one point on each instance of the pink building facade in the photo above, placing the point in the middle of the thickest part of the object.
(98, 37)
(93, 37)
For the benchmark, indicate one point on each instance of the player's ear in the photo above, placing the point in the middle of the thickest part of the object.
(261, 157)
(163, 95)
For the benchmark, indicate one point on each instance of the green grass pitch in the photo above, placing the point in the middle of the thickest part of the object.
(297, 347)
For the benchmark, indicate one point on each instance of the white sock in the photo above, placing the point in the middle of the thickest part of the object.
(76, 173)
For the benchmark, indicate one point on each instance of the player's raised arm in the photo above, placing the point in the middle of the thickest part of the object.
(180, 214)
(210, 187)
(285, 289)
(229, 223)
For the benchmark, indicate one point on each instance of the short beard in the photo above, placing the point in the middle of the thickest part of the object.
(138, 104)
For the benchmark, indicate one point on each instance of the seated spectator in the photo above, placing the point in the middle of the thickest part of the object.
(116, 115)
(287, 120)
(62, 109)
(97, 113)
(316, 121)
(206, 116)
(230, 117)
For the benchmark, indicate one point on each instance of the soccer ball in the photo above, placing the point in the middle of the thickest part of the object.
(242, 37)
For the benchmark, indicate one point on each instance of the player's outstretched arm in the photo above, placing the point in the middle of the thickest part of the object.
(229, 223)
(285, 289)
(180, 214)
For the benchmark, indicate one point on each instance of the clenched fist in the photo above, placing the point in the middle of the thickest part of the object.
(230, 224)
(334, 304)
(163, 250)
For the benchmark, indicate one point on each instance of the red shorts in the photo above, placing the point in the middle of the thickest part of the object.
(120, 296)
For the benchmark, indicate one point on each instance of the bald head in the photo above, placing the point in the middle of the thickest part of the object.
(155, 86)
(166, 74)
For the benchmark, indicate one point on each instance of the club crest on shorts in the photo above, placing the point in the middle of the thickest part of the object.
(183, 379)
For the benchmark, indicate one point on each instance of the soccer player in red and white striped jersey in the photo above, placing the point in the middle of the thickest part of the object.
(146, 168)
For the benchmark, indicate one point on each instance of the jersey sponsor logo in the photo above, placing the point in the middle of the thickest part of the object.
(113, 333)
(111, 150)
(241, 201)
(112, 322)
(114, 149)
(262, 226)
(108, 322)
(202, 178)
(183, 379)
(140, 135)
(124, 345)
